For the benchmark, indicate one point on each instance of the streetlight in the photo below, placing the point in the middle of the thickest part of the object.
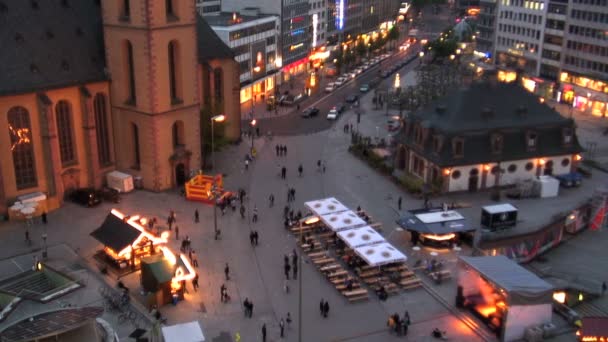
(252, 123)
(217, 118)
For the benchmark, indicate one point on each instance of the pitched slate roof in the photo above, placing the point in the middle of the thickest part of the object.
(115, 233)
(210, 46)
(485, 108)
(49, 44)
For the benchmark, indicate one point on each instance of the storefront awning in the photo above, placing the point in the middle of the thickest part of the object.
(115, 233)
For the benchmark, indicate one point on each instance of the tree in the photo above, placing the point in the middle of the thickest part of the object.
(339, 62)
(393, 34)
(206, 113)
(361, 49)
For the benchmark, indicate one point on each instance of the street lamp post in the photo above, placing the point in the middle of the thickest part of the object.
(252, 123)
(217, 118)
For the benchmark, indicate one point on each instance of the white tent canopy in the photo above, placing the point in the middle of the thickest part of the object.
(380, 254)
(185, 332)
(358, 237)
(325, 206)
(342, 220)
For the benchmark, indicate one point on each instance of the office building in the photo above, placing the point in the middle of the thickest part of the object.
(208, 7)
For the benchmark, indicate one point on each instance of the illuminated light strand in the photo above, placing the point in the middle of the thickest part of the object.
(21, 134)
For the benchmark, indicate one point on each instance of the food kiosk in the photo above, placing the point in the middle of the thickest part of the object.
(435, 227)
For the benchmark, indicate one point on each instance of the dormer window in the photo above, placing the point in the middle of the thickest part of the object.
(496, 143)
(567, 136)
(458, 147)
(437, 143)
(531, 140)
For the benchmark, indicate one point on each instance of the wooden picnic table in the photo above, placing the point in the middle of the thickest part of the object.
(397, 268)
(323, 261)
(356, 292)
(315, 255)
(369, 273)
(337, 273)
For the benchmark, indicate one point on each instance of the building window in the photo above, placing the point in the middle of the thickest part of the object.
(437, 142)
(102, 129)
(455, 174)
(474, 172)
(567, 134)
(178, 133)
(512, 168)
(458, 147)
(130, 72)
(565, 162)
(531, 138)
(497, 143)
(136, 156)
(20, 134)
(173, 54)
(125, 11)
(169, 10)
(65, 132)
(217, 83)
(418, 166)
(529, 166)
(494, 170)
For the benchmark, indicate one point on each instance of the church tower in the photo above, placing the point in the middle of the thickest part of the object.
(151, 55)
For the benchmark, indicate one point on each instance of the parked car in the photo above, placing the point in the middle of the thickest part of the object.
(310, 112)
(333, 114)
(364, 88)
(352, 98)
(110, 195)
(570, 180)
(340, 107)
(340, 81)
(358, 70)
(330, 87)
(87, 197)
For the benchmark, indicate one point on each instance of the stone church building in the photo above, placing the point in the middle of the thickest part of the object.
(91, 86)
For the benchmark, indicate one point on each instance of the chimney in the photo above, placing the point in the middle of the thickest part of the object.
(522, 111)
(440, 109)
(487, 113)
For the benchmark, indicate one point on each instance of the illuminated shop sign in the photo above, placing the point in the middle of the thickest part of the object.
(340, 14)
(297, 46)
(297, 20)
(297, 32)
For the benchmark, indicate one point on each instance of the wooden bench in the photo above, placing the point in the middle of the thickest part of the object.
(398, 268)
(406, 274)
(342, 287)
(410, 283)
(338, 280)
(358, 298)
(356, 292)
(369, 273)
(331, 267)
(340, 273)
(315, 255)
(375, 280)
(296, 230)
(324, 261)
(366, 268)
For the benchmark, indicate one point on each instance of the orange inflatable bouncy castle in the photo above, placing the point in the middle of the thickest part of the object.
(199, 187)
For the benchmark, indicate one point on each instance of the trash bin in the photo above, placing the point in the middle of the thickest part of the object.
(139, 182)
(548, 330)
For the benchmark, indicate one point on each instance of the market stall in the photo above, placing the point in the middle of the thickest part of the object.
(506, 296)
(125, 241)
(435, 227)
(184, 332)
(163, 276)
(325, 206)
(362, 236)
(338, 221)
(380, 254)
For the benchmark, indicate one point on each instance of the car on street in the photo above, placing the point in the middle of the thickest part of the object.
(87, 197)
(333, 114)
(364, 88)
(340, 107)
(340, 81)
(352, 98)
(351, 75)
(358, 71)
(330, 87)
(310, 112)
(385, 74)
(570, 180)
(110, 195)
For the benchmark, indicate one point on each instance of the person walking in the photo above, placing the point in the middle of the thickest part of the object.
(176, 233)
(194, 259)
(242, 211)
(282, 327)
(227, 271)
(246, 307)
(264, 332)
(283, 172)
(326, 309)
(271, 200)
(255, 237)
(285, 150)
(277, 149)
(322, 306)
(246, 164)
(222, 293)
(294, 257)
(319, 165)
(285, 259)
(287, 268)
(254, 218)
(293, 194)
(250, 309)
(286, 286)
(399, 202)
(300, 170)
(251, 237)
(286, 211)
(43, 217)
(27, 237)
(295, 271)
(604, 287)
(196, 217)
(288, 320)
(323, 167)
(195, 282)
